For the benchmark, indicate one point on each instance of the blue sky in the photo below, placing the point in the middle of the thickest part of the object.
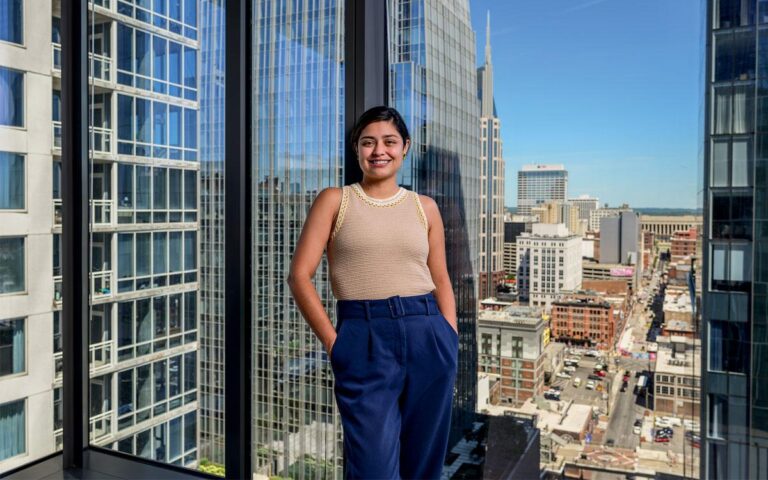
(610, 88)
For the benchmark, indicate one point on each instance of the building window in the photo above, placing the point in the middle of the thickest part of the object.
(11, 265)
(12, 424)
(732, 215)
(726, 346)
(11, 97)
(731, 266)
(12, 351)
(11, 181)
(11, 21)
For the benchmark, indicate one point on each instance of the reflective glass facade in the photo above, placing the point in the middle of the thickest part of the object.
(433, 84)
(735, 283)
(298, 149)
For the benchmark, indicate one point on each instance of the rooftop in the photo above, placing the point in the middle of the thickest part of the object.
(681, 364)
(514, 315)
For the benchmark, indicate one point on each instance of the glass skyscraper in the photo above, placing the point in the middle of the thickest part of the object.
(433, 84)
(735, 275)
(298, 148)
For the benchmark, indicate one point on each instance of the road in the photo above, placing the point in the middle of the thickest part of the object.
(624, 412)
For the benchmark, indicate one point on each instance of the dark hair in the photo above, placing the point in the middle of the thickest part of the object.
(379, 114)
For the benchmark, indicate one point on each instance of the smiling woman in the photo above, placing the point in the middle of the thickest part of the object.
(386, 254)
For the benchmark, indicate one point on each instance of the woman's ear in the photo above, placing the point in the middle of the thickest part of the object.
(406, 147)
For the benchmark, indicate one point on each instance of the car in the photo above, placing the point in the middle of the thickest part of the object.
(576, 382)
(661, 422)
(569, 369)
(556, 387)
(552, 395)
(592, 353)
(661, 439)
(562, 375)
(638, 422)
(591, 385)
(665, 431)
(636, 430)
(592, 376)
(600, 373)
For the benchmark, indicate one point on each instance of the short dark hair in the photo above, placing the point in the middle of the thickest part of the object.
(381, 113)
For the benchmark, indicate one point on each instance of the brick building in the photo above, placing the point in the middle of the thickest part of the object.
(684, 244)
(585, 319)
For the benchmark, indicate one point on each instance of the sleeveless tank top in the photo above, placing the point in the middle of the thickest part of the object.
(379, 248)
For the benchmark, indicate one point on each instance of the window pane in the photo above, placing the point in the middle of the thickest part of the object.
(160, 189)
(143, 192)
(11, 21)
(720, 164)
(12, 347)
(12, 181)
(11, 97)
(159, 252)
(125, 255)
(13, 426)
(176, 251)
(11, 265)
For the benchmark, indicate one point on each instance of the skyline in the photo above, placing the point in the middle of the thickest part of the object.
(661, 56)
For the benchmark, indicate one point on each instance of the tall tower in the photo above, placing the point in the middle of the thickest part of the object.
(537, 184)
(734, 384)
(433, 84)
(492, 179)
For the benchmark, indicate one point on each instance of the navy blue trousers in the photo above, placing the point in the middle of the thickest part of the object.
(394, 363)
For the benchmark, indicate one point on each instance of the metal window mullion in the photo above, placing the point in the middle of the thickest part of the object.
(238, 258)
(74, 188)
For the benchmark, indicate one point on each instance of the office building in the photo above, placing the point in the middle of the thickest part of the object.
(537, 184)
(492, 179)
(621, 242)
(144, 225)
(560, 212)
(585, 205)
(664, 226)
(585, 319)
(677, 377)
(511, 351)
(735, 286)
(212, 230)
(596, 215)
(432, 50)
(685, 244)
(512, 230)
(548, 262)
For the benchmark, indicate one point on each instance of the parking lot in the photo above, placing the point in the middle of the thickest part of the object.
(581, 394)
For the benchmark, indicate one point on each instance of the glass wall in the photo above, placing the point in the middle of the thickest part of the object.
(156, 128)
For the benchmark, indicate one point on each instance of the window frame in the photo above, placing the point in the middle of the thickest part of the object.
(24, 183)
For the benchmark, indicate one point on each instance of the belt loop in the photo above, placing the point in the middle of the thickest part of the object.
(399, 303)
(367, 310)
(426, 301)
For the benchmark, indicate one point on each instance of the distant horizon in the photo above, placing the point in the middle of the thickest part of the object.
(641, 209)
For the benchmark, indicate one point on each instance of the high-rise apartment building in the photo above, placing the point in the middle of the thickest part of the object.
(560, 212)
(548, 262)
(537, 184)
(492, 179)
(734, 383)
(144, 224)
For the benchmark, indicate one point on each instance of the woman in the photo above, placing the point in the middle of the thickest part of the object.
(393, 352)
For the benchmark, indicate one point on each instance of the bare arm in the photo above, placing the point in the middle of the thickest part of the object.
(309, 251)
(437, 263)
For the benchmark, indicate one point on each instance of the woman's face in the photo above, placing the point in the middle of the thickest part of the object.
(380, 150)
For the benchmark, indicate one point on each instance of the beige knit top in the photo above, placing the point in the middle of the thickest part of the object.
(379, 248)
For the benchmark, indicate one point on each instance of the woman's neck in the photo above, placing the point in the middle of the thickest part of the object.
(380, 188)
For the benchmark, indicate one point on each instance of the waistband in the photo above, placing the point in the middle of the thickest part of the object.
(392, 307)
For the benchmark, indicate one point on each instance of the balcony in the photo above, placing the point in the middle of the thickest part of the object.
(100, 141)
(101, 287)
(101, 212)
(100, 357)
(100, 65)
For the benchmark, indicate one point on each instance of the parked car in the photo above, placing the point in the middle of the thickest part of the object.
(600, 373)
(576, 382)
(661, 422)
(556, 387)
(636, 430)
(562, 375)
(666, 431)
(592, 376)
(661, 439)
(569, 369)
(638, 422)
(591, 385)
(592, 353)
(550, 395)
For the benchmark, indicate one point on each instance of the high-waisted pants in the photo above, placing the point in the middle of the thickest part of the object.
(394, 362)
